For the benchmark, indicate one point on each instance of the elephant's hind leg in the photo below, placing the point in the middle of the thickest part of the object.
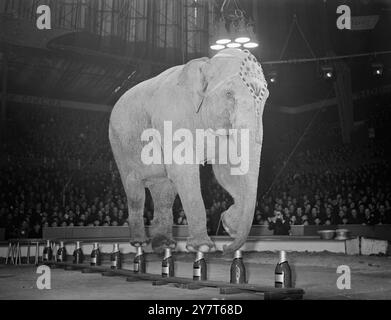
(163, 195)
(134, 189)
(135, 193)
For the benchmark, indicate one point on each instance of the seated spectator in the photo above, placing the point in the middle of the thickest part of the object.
(354, 218)
(36, 231)
(317, 221)
(80, 223)
(279, 225)
(63, 224)
(293, 220)
(369, 218)
(341, 216)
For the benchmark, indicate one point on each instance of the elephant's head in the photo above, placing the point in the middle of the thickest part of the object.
(229, 91)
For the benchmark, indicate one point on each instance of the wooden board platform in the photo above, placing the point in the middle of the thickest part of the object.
(270, 293)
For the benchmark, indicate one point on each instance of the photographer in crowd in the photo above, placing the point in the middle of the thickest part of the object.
(279, 224)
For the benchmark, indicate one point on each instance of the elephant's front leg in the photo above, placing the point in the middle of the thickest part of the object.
(187, 182)
(163, 194)
(230, 217)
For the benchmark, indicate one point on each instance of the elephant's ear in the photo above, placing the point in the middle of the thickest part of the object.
(194, 81)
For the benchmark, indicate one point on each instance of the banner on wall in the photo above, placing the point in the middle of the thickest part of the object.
(364, 22)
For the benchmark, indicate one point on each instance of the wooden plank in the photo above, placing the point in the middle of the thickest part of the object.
(159, 283)
(88, 270)
(279, 296)
(132, 279)
(189, 286)
(231, 290)
(158, 280)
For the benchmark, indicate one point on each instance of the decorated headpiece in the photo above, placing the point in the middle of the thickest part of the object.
(252, 76)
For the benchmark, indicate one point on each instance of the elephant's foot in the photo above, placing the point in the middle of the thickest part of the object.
(201, 244)
(138, 237)
(230, 220)
(161, 242)
(139, 241)
(162, 233)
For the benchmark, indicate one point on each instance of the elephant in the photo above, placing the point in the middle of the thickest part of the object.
(227, 91)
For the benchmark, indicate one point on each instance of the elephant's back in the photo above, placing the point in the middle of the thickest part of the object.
(136, 106)
(129, 117)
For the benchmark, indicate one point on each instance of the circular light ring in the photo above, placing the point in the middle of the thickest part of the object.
(217, 47)
(223, 41)
(233, 45)
(250, 45)
(242, 39)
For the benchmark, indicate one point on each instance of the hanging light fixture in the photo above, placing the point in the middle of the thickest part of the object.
(242, 32)
(252, 43)
(233, 31)
(222, 36)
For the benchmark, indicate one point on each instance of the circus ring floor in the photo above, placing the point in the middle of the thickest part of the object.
(316, 273)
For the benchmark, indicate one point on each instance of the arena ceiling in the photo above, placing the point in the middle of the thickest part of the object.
(96, 52)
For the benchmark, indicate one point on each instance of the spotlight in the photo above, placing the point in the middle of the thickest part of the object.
(377, 69)
(327, 72)
(233, 45)
(217, 46)
(223, 41)
(273, 77)
(242, 39)
(250, 45)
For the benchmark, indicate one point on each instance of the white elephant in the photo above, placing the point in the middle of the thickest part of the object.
(228, 91)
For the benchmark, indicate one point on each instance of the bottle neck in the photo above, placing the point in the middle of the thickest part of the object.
(167, 254)
(282, 257)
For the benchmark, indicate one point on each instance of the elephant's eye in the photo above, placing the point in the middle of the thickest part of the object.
(229, 94)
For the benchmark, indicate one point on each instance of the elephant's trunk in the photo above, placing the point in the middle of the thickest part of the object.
(248, 198)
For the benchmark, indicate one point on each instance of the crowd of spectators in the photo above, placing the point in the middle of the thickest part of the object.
(360, 195)
(341, 184)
